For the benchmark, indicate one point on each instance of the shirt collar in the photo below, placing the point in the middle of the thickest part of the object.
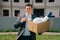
(27, 14)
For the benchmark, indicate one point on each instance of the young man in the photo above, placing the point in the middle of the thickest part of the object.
(22, 22)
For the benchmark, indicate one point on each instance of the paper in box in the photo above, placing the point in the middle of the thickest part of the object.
(40, 27)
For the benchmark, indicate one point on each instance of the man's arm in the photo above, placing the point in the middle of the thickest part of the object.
(18, 22)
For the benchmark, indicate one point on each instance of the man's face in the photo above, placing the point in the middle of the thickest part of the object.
(28, 9)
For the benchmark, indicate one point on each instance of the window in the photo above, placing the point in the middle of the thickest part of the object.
(16, 0)
(17, 12)
(5, 12)
(27, 1)
(51, 0)
(38, 1)
(5, 0)
(38, 12)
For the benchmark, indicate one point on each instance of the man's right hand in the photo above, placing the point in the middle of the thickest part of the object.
(23, 19)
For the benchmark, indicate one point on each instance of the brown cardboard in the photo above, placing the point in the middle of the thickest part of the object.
(38, 28)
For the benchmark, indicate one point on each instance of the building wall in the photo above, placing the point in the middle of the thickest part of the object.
(40, 5)
(0, 7)
(13, 10)
(6, 4)
(55, 3)
(21, 3)
(54, 7)
(45, 4)
(55, 11)
(5, 8)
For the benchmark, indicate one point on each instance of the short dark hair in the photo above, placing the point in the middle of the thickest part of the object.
(29, 5)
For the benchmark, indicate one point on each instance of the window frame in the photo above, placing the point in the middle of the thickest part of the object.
(5, 0)
(38, 1)
(16, 1)
(27, 1)
(16, 13)
(52, 1)
(6, 10)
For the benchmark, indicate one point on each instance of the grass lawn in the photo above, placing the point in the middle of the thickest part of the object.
(38, 37)
(48, 37)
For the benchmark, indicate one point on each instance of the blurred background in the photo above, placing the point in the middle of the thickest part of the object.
(10, 9)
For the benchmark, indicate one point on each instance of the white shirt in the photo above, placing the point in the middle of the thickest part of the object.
(27, 32)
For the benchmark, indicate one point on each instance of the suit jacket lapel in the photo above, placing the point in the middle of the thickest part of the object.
(33, 16)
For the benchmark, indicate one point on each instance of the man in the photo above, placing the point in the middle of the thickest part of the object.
(22, 22)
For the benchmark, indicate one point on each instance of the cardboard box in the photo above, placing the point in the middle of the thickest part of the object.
(38, 28)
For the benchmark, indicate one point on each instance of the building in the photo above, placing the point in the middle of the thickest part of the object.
(12, 8)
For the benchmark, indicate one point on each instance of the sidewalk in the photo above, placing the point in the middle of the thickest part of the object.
(8, 33)
(51, 33)
(47, 33)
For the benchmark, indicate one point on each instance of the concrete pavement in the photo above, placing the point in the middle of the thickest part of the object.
(46, 33)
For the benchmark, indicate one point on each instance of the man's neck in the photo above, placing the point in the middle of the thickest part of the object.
(28, 14)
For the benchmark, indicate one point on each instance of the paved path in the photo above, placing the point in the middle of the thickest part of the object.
(47, 33)
(8, 33)
(51, 33)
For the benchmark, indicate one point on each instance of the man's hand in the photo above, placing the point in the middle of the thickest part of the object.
(23, 19)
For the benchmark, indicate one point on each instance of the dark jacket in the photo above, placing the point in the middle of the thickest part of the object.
(22, 26)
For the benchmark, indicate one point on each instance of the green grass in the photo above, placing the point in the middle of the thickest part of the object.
(48, 37)
(8, 37)
(38, 37)
(9, 30)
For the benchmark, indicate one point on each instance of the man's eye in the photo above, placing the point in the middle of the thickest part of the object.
(28, 8)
